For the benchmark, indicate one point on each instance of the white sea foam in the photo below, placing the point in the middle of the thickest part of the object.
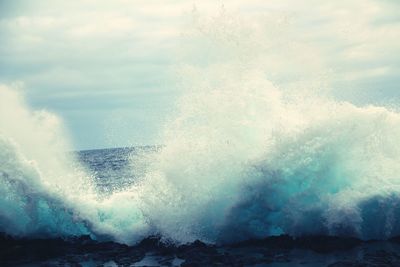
(244, 156)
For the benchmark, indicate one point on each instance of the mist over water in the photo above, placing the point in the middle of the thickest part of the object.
(247, 154)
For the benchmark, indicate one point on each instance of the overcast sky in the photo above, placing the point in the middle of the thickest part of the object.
(106, 66)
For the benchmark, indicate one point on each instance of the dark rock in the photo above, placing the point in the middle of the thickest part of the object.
(325, 244)
(74, 251)
(395, 239)
(318, 243)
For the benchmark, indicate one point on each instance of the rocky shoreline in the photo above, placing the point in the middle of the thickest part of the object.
(272, 251)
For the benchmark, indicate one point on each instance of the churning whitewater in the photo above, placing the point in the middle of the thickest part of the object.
(241, 160)
(242, 157)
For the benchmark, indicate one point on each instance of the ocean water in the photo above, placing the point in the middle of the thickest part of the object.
(244, 155)
(309, 166)
(113, 169)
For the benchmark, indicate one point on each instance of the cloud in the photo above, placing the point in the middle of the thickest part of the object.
(74, 54)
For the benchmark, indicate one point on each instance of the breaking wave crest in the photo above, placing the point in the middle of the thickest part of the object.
(242, 158)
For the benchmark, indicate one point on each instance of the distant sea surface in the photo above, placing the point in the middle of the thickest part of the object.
(113, 168)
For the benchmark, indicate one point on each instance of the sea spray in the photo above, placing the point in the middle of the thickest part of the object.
(45, 192)
(38, 186)
(244, 160)
(248, 154)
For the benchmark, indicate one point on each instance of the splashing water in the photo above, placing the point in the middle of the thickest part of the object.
(44, 190)
(242, 158)
(246, 162)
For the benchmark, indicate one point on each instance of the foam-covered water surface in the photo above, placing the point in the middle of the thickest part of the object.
(114, 169)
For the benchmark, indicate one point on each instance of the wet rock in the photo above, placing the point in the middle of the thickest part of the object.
(325, 244)
(278, 249)
(318, 243)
